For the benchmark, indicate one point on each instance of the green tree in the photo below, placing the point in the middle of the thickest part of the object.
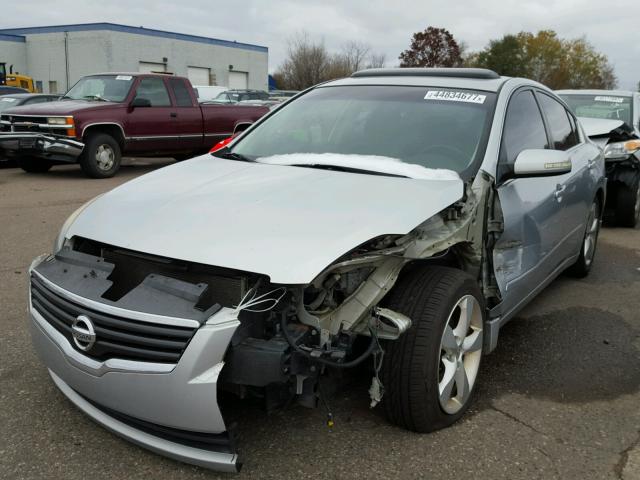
(434, 47)
(548, 59)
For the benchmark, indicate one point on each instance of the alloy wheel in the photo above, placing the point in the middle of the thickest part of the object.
(460, 354)
(591, 235)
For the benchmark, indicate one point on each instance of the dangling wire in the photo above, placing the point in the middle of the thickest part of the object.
(246, 303)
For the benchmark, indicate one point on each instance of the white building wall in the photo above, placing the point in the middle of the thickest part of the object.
(100, 51)
(13, 53)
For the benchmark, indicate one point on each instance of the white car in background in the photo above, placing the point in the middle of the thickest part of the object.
(207, 93)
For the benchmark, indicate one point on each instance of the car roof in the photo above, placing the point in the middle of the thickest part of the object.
(464, 78)
(618, 93)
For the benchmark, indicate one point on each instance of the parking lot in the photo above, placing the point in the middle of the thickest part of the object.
(559, 398)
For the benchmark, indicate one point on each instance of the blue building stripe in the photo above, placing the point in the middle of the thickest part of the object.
(12, 38)
(114, 27)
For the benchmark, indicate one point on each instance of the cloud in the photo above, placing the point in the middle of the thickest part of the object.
(387, 26)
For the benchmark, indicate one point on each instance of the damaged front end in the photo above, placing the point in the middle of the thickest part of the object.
(145, 344)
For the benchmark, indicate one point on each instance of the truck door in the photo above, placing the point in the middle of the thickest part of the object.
(186, 115)
(150, 128)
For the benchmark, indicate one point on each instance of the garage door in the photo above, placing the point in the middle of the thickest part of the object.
(238, 80)
(198, 76)
(150, 67)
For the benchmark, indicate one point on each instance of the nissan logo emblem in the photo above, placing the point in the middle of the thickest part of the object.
(84, 335)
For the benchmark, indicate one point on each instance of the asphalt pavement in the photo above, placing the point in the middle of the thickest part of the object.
(559, 398)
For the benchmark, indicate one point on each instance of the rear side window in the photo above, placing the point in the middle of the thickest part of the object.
(180, 92)
(563, 133)
(523, 130)
(153, 89)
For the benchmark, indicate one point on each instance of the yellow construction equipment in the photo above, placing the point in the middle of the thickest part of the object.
(15, 79)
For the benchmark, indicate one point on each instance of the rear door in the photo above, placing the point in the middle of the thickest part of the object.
(526, 253)
(577, 187)
(186, 116)
(150, 129)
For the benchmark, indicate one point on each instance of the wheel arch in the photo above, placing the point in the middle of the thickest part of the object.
(113, 129)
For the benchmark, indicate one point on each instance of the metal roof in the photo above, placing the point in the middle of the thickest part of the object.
(115, 27)
(478, 73)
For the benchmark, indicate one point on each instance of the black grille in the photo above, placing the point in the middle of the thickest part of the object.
(116, 337)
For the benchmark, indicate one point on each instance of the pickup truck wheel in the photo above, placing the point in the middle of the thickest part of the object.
(101, 156)
(34, 165)
(582, 267)
(430, 372)
(628, 204)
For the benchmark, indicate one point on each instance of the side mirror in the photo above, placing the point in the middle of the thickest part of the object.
(541, 163)
(140, 102)
(241, 127)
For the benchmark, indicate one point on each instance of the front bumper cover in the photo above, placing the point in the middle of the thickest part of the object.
(50, 146)
(173, 407)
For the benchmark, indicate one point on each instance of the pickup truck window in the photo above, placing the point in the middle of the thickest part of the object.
(180, 92)
(154, 90)
(113, 88)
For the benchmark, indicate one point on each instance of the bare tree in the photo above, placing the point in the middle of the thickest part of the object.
(376, 60)
(306, 63)
(354, 54)
(309, 62)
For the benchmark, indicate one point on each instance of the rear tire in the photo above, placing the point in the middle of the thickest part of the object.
(34, 164)
(430, 372)
(101, 156)
(628, 204)
(582, 267)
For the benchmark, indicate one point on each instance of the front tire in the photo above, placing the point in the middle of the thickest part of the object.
(101, 156)
(628, 204)
(430, 372)
(34, 165)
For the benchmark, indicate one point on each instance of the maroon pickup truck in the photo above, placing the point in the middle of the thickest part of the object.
(103, 117)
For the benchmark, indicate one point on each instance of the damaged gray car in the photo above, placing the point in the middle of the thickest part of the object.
(396, 219)
(611, 118)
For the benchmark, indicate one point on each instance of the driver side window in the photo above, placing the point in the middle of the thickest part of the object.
(523, 130)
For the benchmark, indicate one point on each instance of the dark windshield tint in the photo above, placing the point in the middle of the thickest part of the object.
(563, 135)
(114, 88)
(428, 126)
(613, 107)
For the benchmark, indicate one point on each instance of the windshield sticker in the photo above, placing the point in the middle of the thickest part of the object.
(609, 99)
(7, 99)
(451, 96)
(124, 77)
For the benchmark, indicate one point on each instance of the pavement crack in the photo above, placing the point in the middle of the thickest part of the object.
(525, 424)
(624, 457)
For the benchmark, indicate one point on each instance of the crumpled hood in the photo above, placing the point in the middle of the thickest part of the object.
(285, 222)
(595, 127)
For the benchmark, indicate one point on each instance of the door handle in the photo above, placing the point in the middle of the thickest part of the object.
(591, 164)
(173, 114)
(559, 191)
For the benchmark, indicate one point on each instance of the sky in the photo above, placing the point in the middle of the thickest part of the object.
(387, 26)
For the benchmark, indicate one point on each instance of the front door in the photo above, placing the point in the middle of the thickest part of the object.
(150, 128)
(526, 254)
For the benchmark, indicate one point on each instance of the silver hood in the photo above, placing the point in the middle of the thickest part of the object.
(282, 221)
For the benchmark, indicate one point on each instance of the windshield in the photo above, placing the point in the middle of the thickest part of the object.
(112, 88)
(612, 107)
(428, 126)
(7, 102)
